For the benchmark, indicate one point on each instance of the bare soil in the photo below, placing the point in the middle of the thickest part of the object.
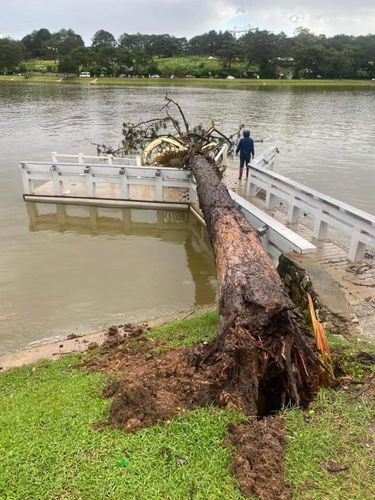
(258, 463)
(151, 385)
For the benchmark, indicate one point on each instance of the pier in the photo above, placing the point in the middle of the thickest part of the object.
(323, 235)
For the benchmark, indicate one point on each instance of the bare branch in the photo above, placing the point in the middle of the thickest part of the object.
(171, 101)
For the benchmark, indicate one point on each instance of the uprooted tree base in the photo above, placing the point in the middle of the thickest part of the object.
(149, 386)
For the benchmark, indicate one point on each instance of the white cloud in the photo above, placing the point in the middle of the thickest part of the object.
(184, 17)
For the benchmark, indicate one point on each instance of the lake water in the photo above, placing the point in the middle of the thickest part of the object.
(93, 270)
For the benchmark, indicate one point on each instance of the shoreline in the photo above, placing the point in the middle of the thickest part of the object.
(76, 344)
(194, 82)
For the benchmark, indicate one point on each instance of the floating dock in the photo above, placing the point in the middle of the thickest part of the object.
(322, 232)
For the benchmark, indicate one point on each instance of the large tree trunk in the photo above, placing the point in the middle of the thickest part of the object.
(265, 355)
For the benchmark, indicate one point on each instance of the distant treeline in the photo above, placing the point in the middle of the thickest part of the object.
(258, 53)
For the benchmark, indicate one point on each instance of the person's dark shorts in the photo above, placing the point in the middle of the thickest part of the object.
(244, 159)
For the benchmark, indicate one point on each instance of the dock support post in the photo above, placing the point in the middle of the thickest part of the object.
(57, 183)
(61, 215)
(320, 227)
(91, 186)
(27, 183)
(124, 186)
(32, 212)
(93, 214)
(159, 187)
(356, 247)
(252, 189)
(293, 212)
(271, 200)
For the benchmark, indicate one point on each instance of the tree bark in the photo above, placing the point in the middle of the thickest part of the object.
(265, 356)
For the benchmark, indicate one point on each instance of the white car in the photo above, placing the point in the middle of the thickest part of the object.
(85, 74)
(230, 77)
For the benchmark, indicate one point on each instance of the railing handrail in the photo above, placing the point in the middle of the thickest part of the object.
(316, 195)
(107, 167)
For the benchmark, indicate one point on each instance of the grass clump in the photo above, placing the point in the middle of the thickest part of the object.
(240, 84)
(328, 454)
(187, 332)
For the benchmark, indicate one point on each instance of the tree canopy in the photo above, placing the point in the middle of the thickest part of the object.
(257, 53)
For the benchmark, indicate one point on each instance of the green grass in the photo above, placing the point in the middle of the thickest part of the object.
(193, 65)
(187, 332)
(336, 428)
(49, 448)
(41, 65)
(196, 82)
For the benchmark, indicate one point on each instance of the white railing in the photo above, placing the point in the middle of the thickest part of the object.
(266, 159)
(325, 210)
(83, 159)
(56, 180)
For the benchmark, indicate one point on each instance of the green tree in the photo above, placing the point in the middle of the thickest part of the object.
(228, 53)
(105, 58)
(209, 44)
(36, 42)
(11, 54)
(103, 38)
(134, 42)
(165, 45)
(262, 48)
(64, 41)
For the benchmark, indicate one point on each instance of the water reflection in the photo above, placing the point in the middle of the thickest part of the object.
(169, 226)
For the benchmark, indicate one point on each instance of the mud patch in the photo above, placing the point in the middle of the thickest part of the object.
(156, 386)
(258, 462)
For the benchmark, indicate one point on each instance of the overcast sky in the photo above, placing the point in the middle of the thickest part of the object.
(185, 17)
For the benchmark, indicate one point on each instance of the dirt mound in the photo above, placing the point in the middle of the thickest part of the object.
(155, 386)
(155, 389)
(258, 459)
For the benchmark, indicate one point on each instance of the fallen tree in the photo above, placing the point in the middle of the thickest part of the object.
(263, 357)
(266, 354)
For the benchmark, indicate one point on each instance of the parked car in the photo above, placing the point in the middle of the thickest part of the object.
(85, 74)
(230, 77)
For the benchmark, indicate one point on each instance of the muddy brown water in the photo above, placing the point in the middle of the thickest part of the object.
(92, 270)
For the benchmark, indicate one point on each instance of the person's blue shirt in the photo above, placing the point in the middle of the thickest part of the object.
(245, 147)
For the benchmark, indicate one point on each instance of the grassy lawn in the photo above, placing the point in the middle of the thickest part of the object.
(41, 65)
(192, 65)
(49, 448)
(195, 82)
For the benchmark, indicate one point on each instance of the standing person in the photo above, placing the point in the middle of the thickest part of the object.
(246, 149)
